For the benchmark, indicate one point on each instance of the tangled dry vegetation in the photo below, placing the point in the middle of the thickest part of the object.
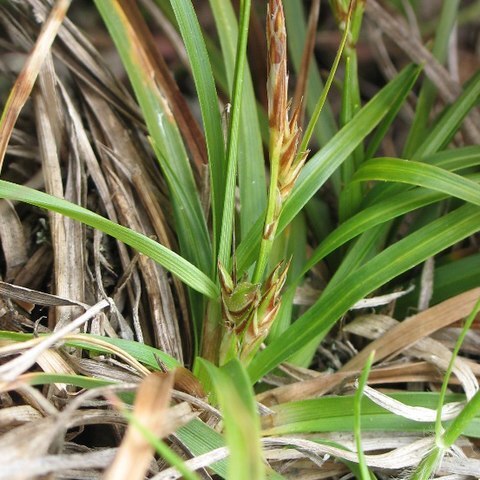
(80, 135)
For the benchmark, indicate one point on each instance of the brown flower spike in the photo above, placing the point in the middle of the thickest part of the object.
(284, 132)
(277, 79)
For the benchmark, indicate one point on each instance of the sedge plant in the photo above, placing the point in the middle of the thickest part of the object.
(242, 250)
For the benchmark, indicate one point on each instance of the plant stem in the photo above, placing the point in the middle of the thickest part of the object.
(271, 217)
(461, 422)
(323, 97)
(448, 373)
(357, 407)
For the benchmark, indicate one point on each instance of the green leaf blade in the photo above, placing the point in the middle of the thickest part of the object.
(166, 139)
(419, 174)
(242, 425)
(393, 261)
(251, 166)
(184, 270)
(322, 165)
(207, 96)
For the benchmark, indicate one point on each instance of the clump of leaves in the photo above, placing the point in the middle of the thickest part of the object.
(260, 274)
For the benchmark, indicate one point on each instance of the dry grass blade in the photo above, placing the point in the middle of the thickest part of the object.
(416, 327)
(18, 415)
(417, 414)
(426, 284)
(11, 370)
(26, 459)
(428, 349)
(403, 372)
(401, 457)
(151, 407)
(159, 295)
(88, 64)
(23, 294)
(123, 176)
(162, 76)
(404, 456)
(33, 272)
(25, 81)
(73, 465)
(14, 243)
(40, 435)
(68, 236)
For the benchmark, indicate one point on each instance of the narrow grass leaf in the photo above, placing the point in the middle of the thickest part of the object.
(173, 262)
(42, 378)
(336, 414)
(323, 96)
(251, 167)
(321, 166)
(362, 250)
(191, 226)
(351, 195)
(357, 411)
(224, 250)
(145, 354)
(419, 174)
(452, 159)
(208, 100)
(242, 426)
(379, 134)
(393, 261)
(450, 120)
(455, 158)
(462, 425)
(201, 439)
(370, 217)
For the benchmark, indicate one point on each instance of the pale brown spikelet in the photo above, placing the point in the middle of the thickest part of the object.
(291, 161)
(284, 132)
(265, 312)
(287, 181)
(277, 80)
